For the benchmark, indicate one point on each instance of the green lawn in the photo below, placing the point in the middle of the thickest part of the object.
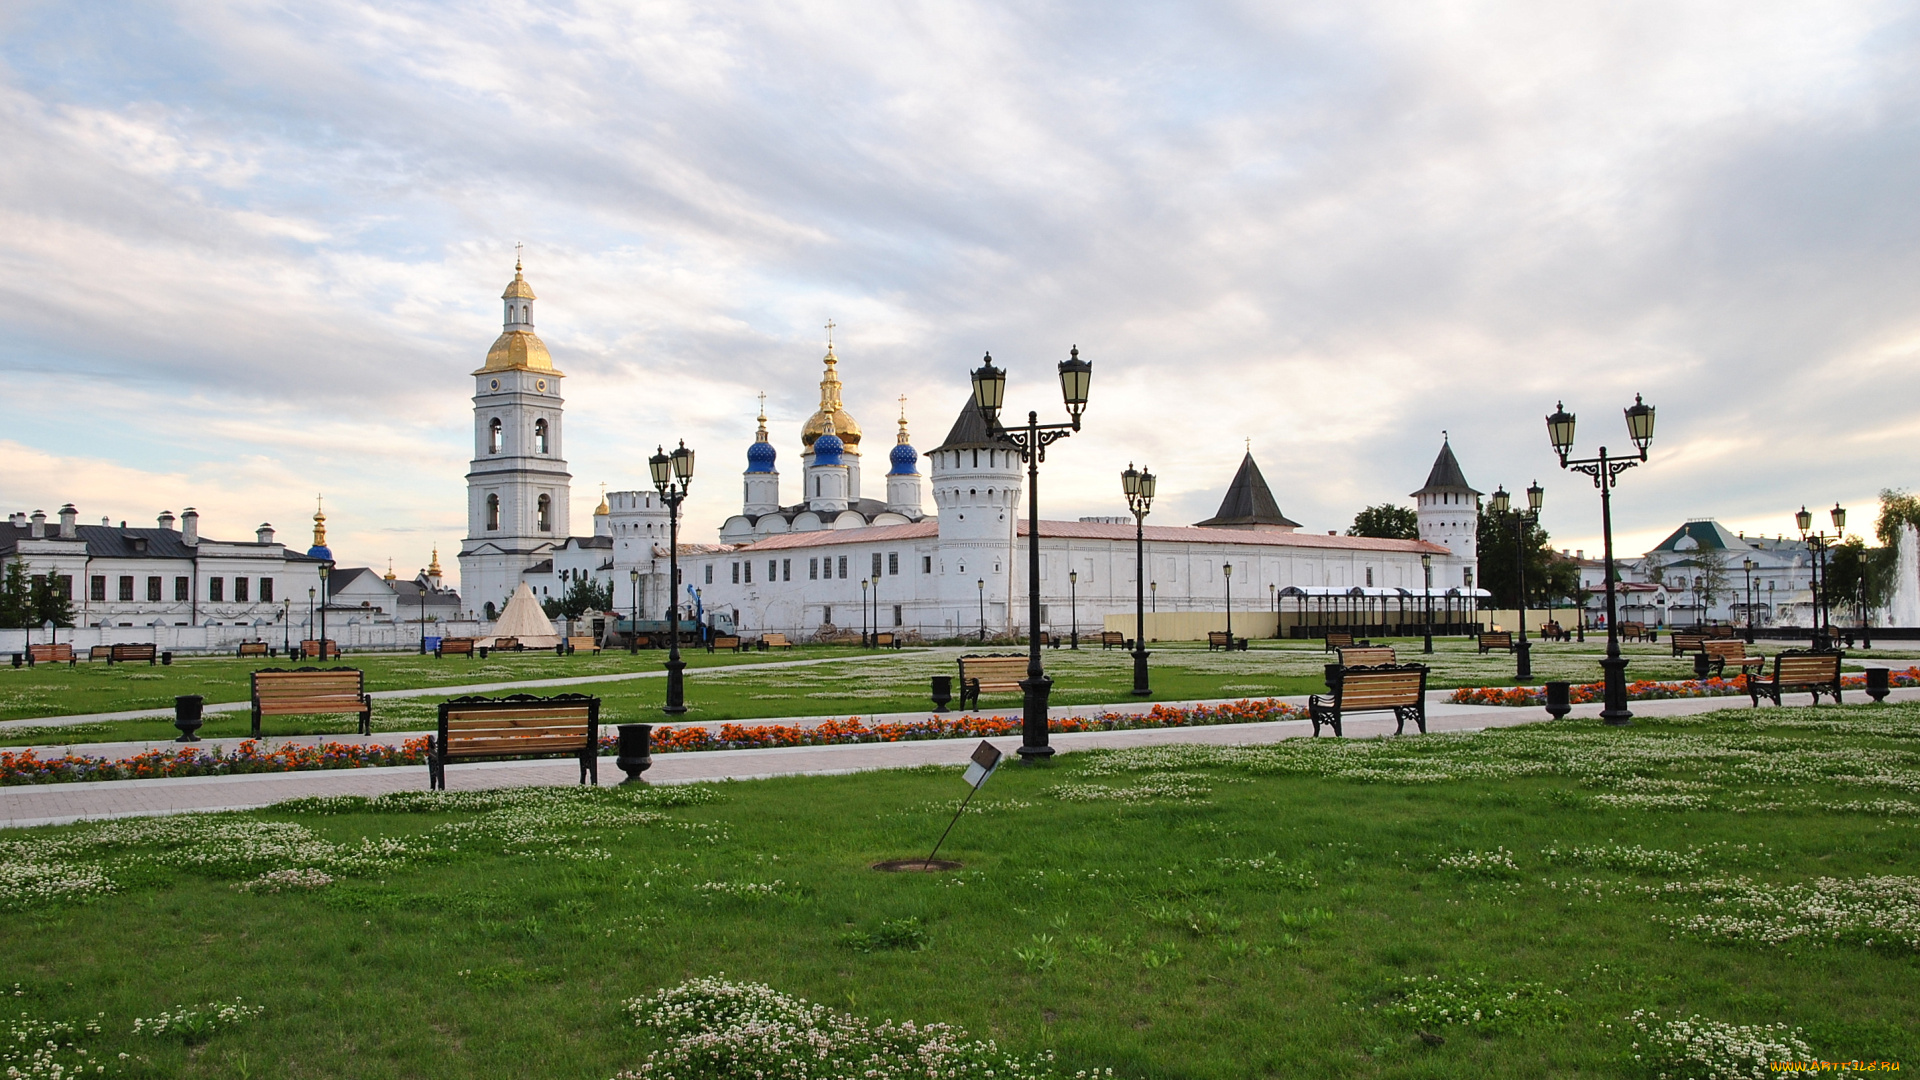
(724, 686)
(1169, 912)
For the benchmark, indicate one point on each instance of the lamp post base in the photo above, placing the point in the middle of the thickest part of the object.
(1140, 687)
(676, 688)
(1524, 670)
(1033, 725)
(1615, 712)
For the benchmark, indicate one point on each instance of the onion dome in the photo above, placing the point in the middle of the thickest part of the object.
(828, 447)
(761, 454)
(603, 509)
(518, 348)
(391, 576)
(902, 455)
(832, 416)
(319, 550)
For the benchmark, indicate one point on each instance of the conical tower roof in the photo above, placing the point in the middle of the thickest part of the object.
(1249, 503)
(970, 431)
(1446, 474)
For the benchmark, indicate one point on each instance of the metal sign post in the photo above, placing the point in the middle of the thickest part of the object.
(984, 761)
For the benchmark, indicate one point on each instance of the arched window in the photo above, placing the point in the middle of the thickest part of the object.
(493, 436)
(489, 609)
(539, 436)
(493, 514)
(544, 517)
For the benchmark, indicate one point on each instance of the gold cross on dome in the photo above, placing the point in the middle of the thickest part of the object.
(763, 406)
(517, 246)
(903, 406)
(830, 326)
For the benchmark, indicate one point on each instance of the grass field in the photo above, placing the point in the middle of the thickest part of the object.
(725, 686)
(1304, 909)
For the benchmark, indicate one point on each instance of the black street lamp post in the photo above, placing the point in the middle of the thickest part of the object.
(980, 584)
(1153, 592)
(1426, 571)
(1817, 544)
(423, 616)
(633, 599)
(1747, 565)
(1700, 602)
(1138, 484)
(1522, 531)
(325, 569)
(876, 611)
(672, 475)
(1605, 472)
(865, 638)
(1073, 605)
(1226, 573)
(286, 627)
(1273, 601)
(989, 391)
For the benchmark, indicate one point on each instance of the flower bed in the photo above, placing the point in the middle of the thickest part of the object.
(1646, 689)
(25, 767)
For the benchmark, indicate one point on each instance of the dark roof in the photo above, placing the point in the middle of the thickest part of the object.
(581, 542)
(1707, 533)
(114, 542)
(545, 566)
(1248, 501)
(344, 576)
(970, 431)
(410, 592)
(1446, 474)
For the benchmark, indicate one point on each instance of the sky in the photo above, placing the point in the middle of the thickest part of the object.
(250, 252)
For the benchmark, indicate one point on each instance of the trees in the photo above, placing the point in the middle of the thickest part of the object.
(1386, 522)
(16, 600)
(1549, 577)
(583, 594)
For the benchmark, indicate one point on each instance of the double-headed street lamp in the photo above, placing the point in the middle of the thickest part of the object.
(1818, 543)
(633, 598)
(1747, 564)
(989, 391)
(672, 475)
(1426, 571)
(1138, 484)
(1522, 532)
(1605, 471)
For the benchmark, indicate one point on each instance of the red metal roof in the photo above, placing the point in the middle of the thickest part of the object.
(1090, 530)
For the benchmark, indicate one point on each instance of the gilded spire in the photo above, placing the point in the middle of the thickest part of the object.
(901, 439)
(760, 434)
(831, 406)
(433, 568)
(391, 576)
(319, 522)
(603, 509)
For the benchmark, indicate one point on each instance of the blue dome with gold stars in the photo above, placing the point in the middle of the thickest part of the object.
(760, 457)
(904, 459)
(827, 449)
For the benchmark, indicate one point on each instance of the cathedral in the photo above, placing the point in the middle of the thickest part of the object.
(815, 563)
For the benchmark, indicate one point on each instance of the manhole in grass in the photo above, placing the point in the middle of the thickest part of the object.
(915, 866)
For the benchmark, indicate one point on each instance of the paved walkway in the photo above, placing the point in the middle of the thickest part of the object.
(49, 804)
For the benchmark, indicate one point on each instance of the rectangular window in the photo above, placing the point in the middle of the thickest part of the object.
(1466, 576)
(240, 589)
(680, 574)
(709, 574)
(876, 565)
(126, 588)
(773, 570)
(896, 614)
(826, 615)
(182, 589)
(98, 588)
(64, 586)
(813, 569)
(153, 588)
(266, 590)
(736, 573)
(843, 567)
(786, 569)
(926, 564)
(893, 563)
(216, 588)
(1369, 576)
(749, 573)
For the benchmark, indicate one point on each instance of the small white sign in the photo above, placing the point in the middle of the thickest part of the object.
(985, 760)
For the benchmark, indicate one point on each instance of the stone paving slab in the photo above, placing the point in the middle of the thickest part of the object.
(49, 804)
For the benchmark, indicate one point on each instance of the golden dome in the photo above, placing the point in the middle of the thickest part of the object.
(831, 412)
(518, 350)
(603, 509)
(518, 289)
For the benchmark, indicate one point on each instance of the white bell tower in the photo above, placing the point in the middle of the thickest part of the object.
(1448, 509)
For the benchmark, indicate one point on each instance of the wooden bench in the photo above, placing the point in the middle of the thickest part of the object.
(52, 653)
(100, 652)
(776, 641)
(1718, 632)
(1637, 631)
(1400, 689)
(1721, 653)
(730, 642)
(1799, 669)
(1368, 656)
(320, 650)
(1553, 631)
(1000, 673)
(505, 644)
(583, 644)
(311, 691)
(518, 726)
(1112, 639)
(253, 648)
(1048, 641)
(886, 640)
(1686, 643)
(455, 646)
(1220, 639)
(1336, 640)
(117, 653)
(1496, 639)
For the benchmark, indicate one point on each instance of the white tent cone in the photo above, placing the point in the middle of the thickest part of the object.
(525, 620)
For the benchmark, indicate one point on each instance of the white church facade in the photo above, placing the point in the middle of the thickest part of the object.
(797, 565)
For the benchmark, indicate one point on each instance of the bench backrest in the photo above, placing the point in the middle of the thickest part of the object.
(48, 653)
(133, 652)
(1496, 637)
(1382, 689)
(1730, 650)
(1719, 631)
(309, 690)
(883, 638)
(1806, 668)
(1687, 642)
(776, 639)
(100, 652)
(726, 641)
(253, 648)
(993, 671)
(1112, 637)
(456, 645)
(1335, 640)
(1633, 629)
(1367, 656)
(521, 724)
(506, 643)
(582, 642)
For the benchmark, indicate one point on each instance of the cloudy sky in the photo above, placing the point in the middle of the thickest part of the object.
(250, 252)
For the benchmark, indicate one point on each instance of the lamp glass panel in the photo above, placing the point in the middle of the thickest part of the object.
(1130, 481)
(683, 462)
(1804, 519)
(1640, 422)
(1147, 482)
(1839, 517)
(1535, 496)
(1560, 429)
(1076, 376)
(1501, 501)
(661, 466)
